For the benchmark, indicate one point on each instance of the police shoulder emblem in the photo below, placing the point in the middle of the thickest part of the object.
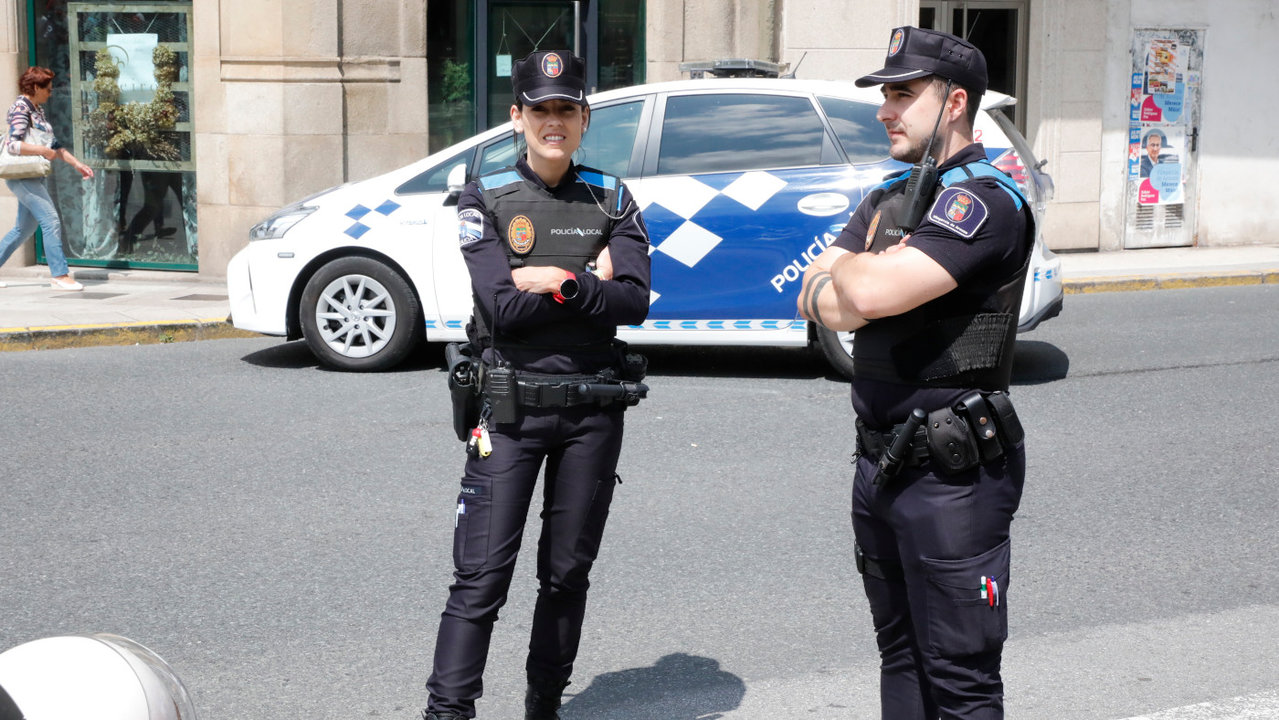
(552, 65)
(519, 234)
(874, 225)
(896, 44)
(959, 211)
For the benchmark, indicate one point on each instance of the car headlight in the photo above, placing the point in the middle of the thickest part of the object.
(274, 227)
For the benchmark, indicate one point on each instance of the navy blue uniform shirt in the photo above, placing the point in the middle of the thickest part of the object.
(623, 300)
(996, 249)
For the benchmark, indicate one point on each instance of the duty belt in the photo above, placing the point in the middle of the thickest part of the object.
(977, 429)
(549, 391)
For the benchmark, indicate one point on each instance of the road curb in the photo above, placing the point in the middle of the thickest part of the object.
(135, 333)
(1168, 281)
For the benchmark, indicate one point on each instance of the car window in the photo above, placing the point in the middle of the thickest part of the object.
(610, 138)
(859, 132)
(434, 179)
(723, 132)
(498, 154)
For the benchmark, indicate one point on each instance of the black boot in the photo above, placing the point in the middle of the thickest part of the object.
(542, 702)
(429, 715)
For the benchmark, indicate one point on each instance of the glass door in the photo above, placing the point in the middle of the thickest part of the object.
(516, 29)
(998, 29)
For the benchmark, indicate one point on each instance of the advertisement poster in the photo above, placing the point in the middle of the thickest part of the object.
(1155, 158)
(1159, 91)
(133, 55)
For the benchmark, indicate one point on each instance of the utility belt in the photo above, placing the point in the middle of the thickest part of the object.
(980, 428)
(484, 393)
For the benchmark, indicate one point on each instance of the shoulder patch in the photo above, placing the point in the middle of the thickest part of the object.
(959, 211)
(470, 226)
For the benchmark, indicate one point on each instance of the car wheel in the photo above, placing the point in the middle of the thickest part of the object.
(838, 349)
(360, 315)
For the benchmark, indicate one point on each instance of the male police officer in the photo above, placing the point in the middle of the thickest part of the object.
(940, 464)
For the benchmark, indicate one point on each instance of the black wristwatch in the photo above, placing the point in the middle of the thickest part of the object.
(568, 287)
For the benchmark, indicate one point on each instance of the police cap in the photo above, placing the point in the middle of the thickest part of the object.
(553, 75)
(915, 52)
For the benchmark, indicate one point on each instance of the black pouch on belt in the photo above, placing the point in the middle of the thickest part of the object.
(463, 388)
(950, 442)
(1010, 430)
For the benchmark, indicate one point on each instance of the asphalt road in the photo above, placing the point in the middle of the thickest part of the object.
(281, 533)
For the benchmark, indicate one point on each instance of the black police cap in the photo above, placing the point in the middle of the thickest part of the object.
(915, 52)
(553, 75)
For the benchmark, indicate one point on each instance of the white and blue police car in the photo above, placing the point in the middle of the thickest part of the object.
(742, 183)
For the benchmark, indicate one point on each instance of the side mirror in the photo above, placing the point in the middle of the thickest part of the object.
(456, 181)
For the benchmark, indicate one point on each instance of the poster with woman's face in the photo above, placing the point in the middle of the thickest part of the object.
(1156, 154)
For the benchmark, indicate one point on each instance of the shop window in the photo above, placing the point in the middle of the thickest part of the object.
(122, 102)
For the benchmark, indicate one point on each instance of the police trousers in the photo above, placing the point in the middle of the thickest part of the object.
(580, 447)
(931, 542)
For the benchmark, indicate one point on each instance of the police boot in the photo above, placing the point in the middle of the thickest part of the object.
(542, 702)
(428, 715)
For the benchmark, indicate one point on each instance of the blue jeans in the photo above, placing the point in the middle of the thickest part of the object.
(35, 207)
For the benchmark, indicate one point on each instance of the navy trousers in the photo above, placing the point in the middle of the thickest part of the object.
(580, 447)
(939, 627)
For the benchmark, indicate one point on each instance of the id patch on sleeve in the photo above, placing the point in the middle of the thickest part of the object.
(959, 211)
(470, 226)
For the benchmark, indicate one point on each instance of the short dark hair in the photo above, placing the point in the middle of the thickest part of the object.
(974, 100)
(33, 78)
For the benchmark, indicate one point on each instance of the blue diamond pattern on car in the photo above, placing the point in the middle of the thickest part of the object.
(366, 219)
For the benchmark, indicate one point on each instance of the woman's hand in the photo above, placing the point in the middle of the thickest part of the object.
(604, 265)
(539, 280)
(85, 171)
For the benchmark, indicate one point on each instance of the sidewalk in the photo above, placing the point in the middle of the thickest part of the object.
(124, 307)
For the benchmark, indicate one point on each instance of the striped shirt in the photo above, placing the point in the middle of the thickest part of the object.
(22, 115)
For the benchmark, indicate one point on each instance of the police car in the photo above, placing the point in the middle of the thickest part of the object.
(742, 183)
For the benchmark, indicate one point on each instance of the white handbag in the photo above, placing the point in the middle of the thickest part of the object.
(17, 167)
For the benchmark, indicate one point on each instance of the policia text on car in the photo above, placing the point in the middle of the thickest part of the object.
(929, 272)
(558, 258)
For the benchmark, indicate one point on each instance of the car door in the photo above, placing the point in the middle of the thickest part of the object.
(741, 190)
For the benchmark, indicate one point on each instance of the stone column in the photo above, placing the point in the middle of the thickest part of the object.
(294, 96)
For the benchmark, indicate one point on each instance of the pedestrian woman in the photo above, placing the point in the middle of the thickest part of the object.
(31, 134)
(558, 258)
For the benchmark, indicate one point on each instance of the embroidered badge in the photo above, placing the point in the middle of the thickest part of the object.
(470, 226)
(520, 234)
(874, 225)
(896, 44)
(552, 65)
(959, 211)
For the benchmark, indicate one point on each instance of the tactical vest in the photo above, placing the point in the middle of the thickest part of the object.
(962, 339)
(568, 230)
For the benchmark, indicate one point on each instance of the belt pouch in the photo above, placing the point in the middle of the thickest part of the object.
(462, 389)
(1009, 427)
(950, 443)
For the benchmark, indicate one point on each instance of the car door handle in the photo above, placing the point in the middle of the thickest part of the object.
(823, 204)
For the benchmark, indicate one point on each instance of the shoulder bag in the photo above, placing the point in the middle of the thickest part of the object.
(17, 167)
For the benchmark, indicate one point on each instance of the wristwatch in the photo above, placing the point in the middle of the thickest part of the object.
(568, 288)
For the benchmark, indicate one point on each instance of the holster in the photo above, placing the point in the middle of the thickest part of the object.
(950, 442)
(463, 388)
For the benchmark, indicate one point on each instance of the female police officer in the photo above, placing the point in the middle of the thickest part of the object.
(558, 257)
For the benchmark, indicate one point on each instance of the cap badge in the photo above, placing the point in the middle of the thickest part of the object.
(896, 44)
(552, 65)
(519, 234)
(959, 208)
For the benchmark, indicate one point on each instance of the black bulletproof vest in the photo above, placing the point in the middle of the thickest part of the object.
(566, 229)
(962, 339)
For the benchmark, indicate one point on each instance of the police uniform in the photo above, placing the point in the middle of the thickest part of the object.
(538, 351)
(932, 533)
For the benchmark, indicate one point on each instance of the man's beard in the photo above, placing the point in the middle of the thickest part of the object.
(912, 154)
